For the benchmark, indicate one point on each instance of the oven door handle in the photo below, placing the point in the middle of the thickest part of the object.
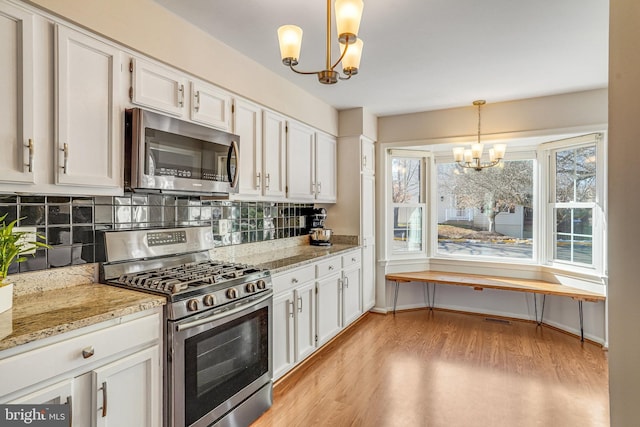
(188, 325)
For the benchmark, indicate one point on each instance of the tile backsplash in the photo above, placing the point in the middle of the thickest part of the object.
(70, 224)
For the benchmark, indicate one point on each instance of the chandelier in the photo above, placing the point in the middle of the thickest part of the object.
(470, 158)
(348, 14)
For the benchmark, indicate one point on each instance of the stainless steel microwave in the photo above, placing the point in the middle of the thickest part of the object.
(167, 155)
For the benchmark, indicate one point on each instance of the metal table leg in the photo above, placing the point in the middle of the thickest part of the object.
(581, 321)
(395, 298)
(535, 306)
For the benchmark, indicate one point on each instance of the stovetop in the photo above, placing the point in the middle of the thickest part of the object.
(191, 281)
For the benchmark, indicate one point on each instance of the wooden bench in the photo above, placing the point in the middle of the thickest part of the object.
(480, 282)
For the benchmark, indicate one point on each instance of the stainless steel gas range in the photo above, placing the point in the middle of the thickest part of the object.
(218, 365)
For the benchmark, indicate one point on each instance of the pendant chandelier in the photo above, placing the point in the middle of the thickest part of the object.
(470, 158)
(348, 14)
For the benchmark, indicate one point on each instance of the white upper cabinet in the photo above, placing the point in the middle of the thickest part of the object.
(300, 162)
(157, 87)
(326, 175)
(247, 123)
(311, 165)
(210, 106)
(88, 126)
(16, 91)
(274, 155)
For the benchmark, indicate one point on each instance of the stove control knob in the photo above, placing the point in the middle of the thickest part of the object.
(232, 293)
(251, 287)
(192, 305)
(261, 284)
(209, 300)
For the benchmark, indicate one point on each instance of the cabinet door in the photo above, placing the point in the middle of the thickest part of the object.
(273, 155)
(368, 274)
(16, 92)
(326, 168)
(56, 394)
(247, 123)
(283, 327)
(367, 161)
(328, 308)
(210, 106)
(351, 295)
(127, 392)
(301, 184)
(89, 131)
(305, 320)
(157, 87)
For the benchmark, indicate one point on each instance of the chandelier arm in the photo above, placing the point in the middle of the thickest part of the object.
(344, 52)
(303, 72)
(344, 78)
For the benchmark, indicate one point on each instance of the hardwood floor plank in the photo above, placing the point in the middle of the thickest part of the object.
(439, 368)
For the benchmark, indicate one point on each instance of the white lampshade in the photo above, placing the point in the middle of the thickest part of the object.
(351, 60)
(499, 150)
(476, 151)
(468, 156)
(492, 155)
(290, 39)
(348, 15)
(458, 154)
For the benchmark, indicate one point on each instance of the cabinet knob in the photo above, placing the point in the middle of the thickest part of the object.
(331, 267)
(87, 352)
(294, 280)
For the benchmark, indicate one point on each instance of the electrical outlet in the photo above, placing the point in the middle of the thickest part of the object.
(27, 238)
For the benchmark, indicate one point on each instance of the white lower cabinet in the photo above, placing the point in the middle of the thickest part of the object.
(109, 376)
(312, 304)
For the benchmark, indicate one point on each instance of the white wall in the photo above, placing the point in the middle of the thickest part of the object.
(145, 26)
(624, 232)
(545, 116)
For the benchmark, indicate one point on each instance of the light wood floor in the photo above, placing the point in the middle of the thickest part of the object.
(438, 368)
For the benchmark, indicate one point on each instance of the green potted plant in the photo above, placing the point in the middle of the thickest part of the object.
(12, 246)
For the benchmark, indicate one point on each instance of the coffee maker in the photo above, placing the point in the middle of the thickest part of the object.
(318, 235)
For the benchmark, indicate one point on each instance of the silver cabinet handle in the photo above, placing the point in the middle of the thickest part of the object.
(364, 161)
(258, 180)
(181, 96)
(346, 282)
(353, 259)
(70, 403)
(88, 352)
(196, 101)
(65, 165)
(299, 304)
(292, 309)
(268, 182)
(104, 398)
(340, 284)
(331, 267)
(319, 187)
(294, 280)
(31, 150)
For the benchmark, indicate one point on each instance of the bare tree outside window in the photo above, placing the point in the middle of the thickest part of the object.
(488, 212)
(407, 202)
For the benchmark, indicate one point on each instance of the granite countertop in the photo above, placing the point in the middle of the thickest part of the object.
(47, 313)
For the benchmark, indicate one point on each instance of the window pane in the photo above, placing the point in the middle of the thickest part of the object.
(406, 180)
(488, 212)
(407, 229)
(576, 175)
(574, 235)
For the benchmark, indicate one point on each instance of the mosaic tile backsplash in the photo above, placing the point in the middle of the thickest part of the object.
(71, 224)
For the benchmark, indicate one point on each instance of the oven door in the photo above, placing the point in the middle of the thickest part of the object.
(219, 361)
(167, 154)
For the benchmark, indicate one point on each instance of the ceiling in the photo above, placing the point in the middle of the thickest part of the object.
(422, 55)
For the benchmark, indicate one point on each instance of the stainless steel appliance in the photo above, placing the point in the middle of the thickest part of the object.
(164, 154)
(218, 366)
(318, 235)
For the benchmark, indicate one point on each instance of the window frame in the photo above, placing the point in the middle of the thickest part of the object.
(598, 254)
(424, 157)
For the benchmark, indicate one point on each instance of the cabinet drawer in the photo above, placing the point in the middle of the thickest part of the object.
(327, 267)
(293, 278)
(351, 259)
(38, 365)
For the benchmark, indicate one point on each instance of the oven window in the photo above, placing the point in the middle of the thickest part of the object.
(222, 361)
(179, 156)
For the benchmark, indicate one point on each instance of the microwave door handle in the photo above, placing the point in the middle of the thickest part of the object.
(233, 150)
